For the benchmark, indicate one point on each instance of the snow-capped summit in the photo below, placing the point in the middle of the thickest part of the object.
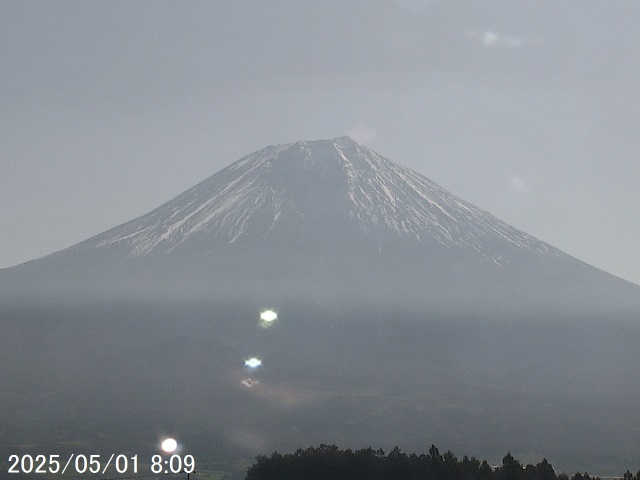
(318, 191)
(325, 219)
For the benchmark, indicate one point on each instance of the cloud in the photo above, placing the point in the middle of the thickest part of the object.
(518, 185)
(362, 133)
(491, 39)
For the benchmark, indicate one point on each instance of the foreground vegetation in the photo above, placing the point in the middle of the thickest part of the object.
(327, 462)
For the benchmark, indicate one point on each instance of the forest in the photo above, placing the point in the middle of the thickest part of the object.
(328, 462)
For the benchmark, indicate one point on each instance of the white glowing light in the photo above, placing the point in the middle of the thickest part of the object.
(169, 445)
(253, 362)
(268, 316)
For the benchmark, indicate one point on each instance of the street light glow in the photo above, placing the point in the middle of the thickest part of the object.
(252, 362)
(268, 316)
(169, 445)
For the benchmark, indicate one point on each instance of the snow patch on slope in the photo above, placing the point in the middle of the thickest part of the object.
(253, 197)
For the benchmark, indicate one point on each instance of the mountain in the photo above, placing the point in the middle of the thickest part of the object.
(329, 212)
(322, 191)
(405, 316)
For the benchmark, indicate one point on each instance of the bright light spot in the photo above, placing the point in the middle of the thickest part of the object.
(169, 445)
(268, 316)
(253, 362)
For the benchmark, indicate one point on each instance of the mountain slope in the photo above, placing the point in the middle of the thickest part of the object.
(323, 219)
(317, 190)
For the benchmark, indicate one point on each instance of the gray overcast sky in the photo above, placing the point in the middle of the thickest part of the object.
(527, 109)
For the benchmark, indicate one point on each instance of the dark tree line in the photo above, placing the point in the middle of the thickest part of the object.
(327, 462)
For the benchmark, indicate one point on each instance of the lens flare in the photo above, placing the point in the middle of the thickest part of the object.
(169, 445)
(253, 362)
(268, 316)
(250, 382)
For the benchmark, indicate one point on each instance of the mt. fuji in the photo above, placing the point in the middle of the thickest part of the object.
(317, 191)
(405, 316)
(327, 214)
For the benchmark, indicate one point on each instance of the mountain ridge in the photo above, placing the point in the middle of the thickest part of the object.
(338, 184)
(318, 218)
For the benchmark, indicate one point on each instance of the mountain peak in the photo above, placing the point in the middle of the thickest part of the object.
(344, 140)
(327, 191)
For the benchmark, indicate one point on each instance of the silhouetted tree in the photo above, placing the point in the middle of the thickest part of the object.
(511, 468)
(396, 466)
(544, 471)
(328, 462)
